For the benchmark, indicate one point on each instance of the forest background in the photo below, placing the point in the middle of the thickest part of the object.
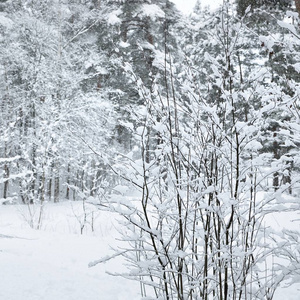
(197, 116)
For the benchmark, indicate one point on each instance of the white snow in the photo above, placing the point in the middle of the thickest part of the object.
(124, 44)
(6, 22)
(8, 159)
(186, 6)
(297, 67)
(268, 42)
(113, 18)
(16, 176)
(152, 11)
(288, 26)
(52, 263)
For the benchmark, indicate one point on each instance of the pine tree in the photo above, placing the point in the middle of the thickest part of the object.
(136, 33)
(242, 5)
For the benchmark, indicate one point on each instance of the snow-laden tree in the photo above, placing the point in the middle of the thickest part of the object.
(135, 32)
(49, 61)
(195, 229)
(242, 5)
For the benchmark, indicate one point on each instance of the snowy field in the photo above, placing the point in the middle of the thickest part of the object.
(52, 263)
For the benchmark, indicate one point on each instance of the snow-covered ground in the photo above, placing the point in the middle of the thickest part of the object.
(52, 263)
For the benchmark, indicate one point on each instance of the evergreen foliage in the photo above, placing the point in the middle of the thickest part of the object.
(242, 5)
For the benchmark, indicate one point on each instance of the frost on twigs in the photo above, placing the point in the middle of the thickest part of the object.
(207, 173)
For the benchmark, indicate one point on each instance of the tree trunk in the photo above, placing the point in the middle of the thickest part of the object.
(56, 182)
(6, 176)
(56, 189)
(49, 189)
(68, 183)
(276, 156)
(41, 189)
(34, 172)
(297, 3)
(32, 123)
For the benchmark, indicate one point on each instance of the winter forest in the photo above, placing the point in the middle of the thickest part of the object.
(185, 129)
